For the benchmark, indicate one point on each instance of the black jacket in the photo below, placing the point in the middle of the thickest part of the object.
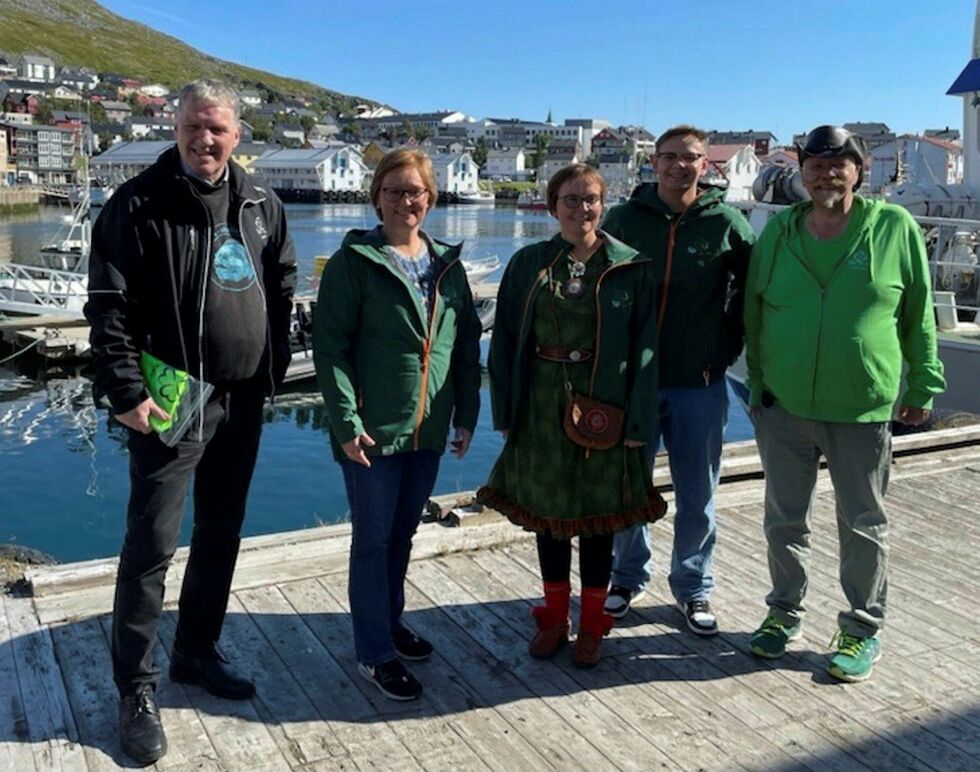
(151, 251)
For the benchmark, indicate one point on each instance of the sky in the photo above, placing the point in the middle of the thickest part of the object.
(720, 64)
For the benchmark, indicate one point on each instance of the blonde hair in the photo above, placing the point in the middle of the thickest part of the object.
(396, 159)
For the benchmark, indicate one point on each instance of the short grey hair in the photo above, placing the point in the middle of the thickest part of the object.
(209, 90)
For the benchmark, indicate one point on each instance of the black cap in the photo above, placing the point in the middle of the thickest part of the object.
(833, 142)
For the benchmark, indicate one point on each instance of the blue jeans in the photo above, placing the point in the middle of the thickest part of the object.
(386, 503)
(692, 422)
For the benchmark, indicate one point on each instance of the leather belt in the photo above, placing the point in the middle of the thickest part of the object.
(558, 354)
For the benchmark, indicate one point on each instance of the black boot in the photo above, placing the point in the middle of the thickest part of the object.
(211, 671)
(140, 731)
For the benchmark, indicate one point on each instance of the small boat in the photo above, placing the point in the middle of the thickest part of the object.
(486, 310)
(532, 200)
(480, 268)
(477, 197)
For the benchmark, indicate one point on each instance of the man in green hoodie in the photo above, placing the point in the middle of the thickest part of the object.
(700, 249)
(837, 297)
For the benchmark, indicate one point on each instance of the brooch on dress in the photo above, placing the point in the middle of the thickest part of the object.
(574, 286)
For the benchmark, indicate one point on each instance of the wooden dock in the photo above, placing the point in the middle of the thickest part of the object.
(660, 698)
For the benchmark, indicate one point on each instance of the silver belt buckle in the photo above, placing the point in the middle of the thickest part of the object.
(574, 355)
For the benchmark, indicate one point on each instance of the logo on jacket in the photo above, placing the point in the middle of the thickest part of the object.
(858, 260)
(621, 299)
(231, 268)
(260, 227)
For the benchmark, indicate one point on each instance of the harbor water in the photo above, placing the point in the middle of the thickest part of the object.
(63, 464)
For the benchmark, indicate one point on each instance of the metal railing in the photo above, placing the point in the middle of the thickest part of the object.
(35, 290)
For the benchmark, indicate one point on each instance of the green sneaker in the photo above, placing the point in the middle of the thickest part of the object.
(772, 636)
(855, 657)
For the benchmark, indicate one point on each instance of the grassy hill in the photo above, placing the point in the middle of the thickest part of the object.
(83, 33)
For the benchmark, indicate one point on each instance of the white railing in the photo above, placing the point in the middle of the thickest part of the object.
(35, 290)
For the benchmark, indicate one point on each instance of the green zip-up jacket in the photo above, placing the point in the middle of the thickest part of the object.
(835, 352)
(624, 364)
(385, 368)
(701, 334)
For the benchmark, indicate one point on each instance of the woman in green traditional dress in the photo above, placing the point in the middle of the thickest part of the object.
(576, 315)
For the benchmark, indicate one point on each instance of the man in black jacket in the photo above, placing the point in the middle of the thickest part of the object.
(192, 264)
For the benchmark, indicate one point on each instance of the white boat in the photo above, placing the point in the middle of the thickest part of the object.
(480, 268)
(531, 200)
(477, 197)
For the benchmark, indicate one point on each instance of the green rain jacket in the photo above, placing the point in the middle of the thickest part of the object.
(834, 352)
(383, 367)
(711, 242)
(624, 371)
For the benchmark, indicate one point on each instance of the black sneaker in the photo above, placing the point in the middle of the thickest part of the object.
(411, 646)
(700, 618)
(392, 680)
(140, 731)
(619, 599)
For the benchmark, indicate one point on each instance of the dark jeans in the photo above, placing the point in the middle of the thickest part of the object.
(386, 503)
(222, 465)
(595, 556)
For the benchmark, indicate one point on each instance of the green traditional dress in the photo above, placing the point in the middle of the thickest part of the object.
(542, 480)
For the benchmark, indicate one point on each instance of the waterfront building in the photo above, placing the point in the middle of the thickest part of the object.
(248, 152)
(455, 173)
(506, 163)
(911, 159)
(127, 159)
(43, 153)
(734, 167)
(335, 168)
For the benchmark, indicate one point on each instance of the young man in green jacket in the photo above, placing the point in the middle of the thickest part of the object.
(838, 295)
(699, 247)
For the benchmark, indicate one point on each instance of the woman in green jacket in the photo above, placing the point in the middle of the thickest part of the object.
(576, 315)
(396, 343)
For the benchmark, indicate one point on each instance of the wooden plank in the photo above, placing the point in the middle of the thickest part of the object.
(303, 690)
(50, 723)
(86, 663)
(238, 735)
(15, 742)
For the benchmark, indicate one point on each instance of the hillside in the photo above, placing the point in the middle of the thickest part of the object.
(83, 33)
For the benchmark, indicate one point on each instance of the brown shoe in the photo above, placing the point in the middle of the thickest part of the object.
(548, 640)
(586, 652)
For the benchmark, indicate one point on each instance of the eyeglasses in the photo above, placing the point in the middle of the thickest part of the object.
(394, 195)
(573, 201)
(672, 158)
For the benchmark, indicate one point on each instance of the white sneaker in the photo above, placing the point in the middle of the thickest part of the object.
(700, 618)
(619, 599)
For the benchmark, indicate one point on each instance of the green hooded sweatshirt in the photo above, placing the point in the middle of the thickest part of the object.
(624, 367)
(385, 368)
(834, 352)
(701, 333)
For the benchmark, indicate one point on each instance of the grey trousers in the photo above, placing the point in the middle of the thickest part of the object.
(858, 458)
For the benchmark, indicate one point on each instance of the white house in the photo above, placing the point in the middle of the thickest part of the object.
(455, 173)
(142, 126)
(250, 97)
(560, 153)
(66, 93)
(323, 169)
(31, 67)
(913, 159)
(506, 162)
(735, 167)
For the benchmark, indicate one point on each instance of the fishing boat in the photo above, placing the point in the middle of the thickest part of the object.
(535, 200)
(484, 197)
(480, 268)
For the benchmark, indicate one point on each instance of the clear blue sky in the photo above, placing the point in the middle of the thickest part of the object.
(722, 64)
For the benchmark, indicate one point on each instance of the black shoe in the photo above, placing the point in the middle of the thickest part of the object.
(211, 671)
(619, 600)
(392, 679)
(140, 731)
(700, 618)
(411, 646)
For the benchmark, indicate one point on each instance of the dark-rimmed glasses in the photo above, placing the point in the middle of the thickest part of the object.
(672, 158)
(394, 195)
(573, 201)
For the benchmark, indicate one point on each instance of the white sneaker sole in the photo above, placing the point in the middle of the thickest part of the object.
(703, 632)
(366, 675)
(620, 611)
